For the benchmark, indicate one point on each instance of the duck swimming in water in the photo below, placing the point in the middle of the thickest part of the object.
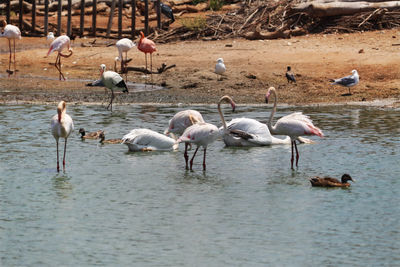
(108, 141)
(331, 182)
(92, 135)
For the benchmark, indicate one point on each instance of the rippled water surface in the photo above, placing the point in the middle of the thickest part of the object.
(114, 208)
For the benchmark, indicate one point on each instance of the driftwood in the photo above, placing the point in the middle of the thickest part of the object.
(160, 70)
(316, 9)
(278, 34)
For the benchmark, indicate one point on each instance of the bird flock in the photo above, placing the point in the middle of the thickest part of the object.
(187, 126)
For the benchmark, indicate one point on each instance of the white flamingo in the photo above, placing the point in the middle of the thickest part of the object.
(148, 140)
(10, 32)
(124, 45)
(61, 127)
(112, 81)
(245, 132)
(59, 44)
(180, 121)
(294, 125)
(201, 134)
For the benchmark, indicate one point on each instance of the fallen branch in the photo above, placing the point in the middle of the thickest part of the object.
(160, 70)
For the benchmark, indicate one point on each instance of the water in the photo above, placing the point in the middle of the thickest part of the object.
(114, 208)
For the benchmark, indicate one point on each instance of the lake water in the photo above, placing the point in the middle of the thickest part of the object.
(114, 208)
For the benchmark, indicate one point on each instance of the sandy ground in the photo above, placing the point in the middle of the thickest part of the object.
(252, 66)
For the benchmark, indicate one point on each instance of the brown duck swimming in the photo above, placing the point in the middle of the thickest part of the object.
(92, 135)
(108, 141)
(331, 182)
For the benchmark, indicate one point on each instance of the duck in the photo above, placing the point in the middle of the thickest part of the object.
(331, 182)
(91, 135)
(108, 141)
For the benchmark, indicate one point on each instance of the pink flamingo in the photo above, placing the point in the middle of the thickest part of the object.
(61, 126)
(59, 44)
(10, 32)
(294, 125)
(147, 46)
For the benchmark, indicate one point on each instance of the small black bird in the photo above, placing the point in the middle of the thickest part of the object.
(167, 11)
(290, 75)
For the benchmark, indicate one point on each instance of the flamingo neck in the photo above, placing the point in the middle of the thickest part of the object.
(60, 115)
(271, 117)
(220, 111)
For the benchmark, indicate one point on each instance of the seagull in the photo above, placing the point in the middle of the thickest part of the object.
(347, 81)
(290, 75)
(220, 67)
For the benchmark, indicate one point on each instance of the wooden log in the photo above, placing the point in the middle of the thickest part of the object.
(160, 70)
(282, 33)
(316, 9)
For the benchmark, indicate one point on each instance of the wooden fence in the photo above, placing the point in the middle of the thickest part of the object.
(31, 29)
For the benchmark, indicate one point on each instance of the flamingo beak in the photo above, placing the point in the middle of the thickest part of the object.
(59, 117)
(266, 100)
(233, 106)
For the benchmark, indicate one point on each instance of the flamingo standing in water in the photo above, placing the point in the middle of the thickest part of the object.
(180, 121)
(124, 45)
(11, 32)
(147, 46)
(294, 125)
(59, 44)
(112, 81)
(61, 127)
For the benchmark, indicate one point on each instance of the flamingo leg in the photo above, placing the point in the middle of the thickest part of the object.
(126, 66)
(204, 159)
(9, 62)
(191, 161)
(15, 68)
(58, 162)
(151, 68)
(292, 158)
(297, 153)
(65, 150)
(185, 155)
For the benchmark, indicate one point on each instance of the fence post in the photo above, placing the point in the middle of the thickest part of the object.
(69, 18)
(21, 11)
(8, 10)
(158, 9)
(82, 19)
(59, 17)
(133, 26)
(110, 18)
(146, 17)
(33, 16)
(94, 13)
(46, 17)
(120, 3)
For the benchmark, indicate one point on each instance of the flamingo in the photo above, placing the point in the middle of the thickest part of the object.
(148, 140)
(347, 81)
(180, 121)
(11, 32)
(59, 44)
(294, 125)
(220, 68)
(201, 134)
(61, 127)
(112, 81)
(290, 75)
(124, 45)
(245, 132)
(147, 46)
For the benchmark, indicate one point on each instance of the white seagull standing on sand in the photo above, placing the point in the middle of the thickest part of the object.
(220, 67)
(11, 32)
(347, 81)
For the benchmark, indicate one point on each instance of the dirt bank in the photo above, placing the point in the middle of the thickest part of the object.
(252, 66)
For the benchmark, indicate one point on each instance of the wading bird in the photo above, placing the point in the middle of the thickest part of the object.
(123, 46)
(290, 75)
(294, 125)
(112, 81)
(220, 68)
(59, 44)
(147, 47)
(10, 32)
(61, 127)
(331, 182)
(148, 140)
(347, 81)
(180, 121)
